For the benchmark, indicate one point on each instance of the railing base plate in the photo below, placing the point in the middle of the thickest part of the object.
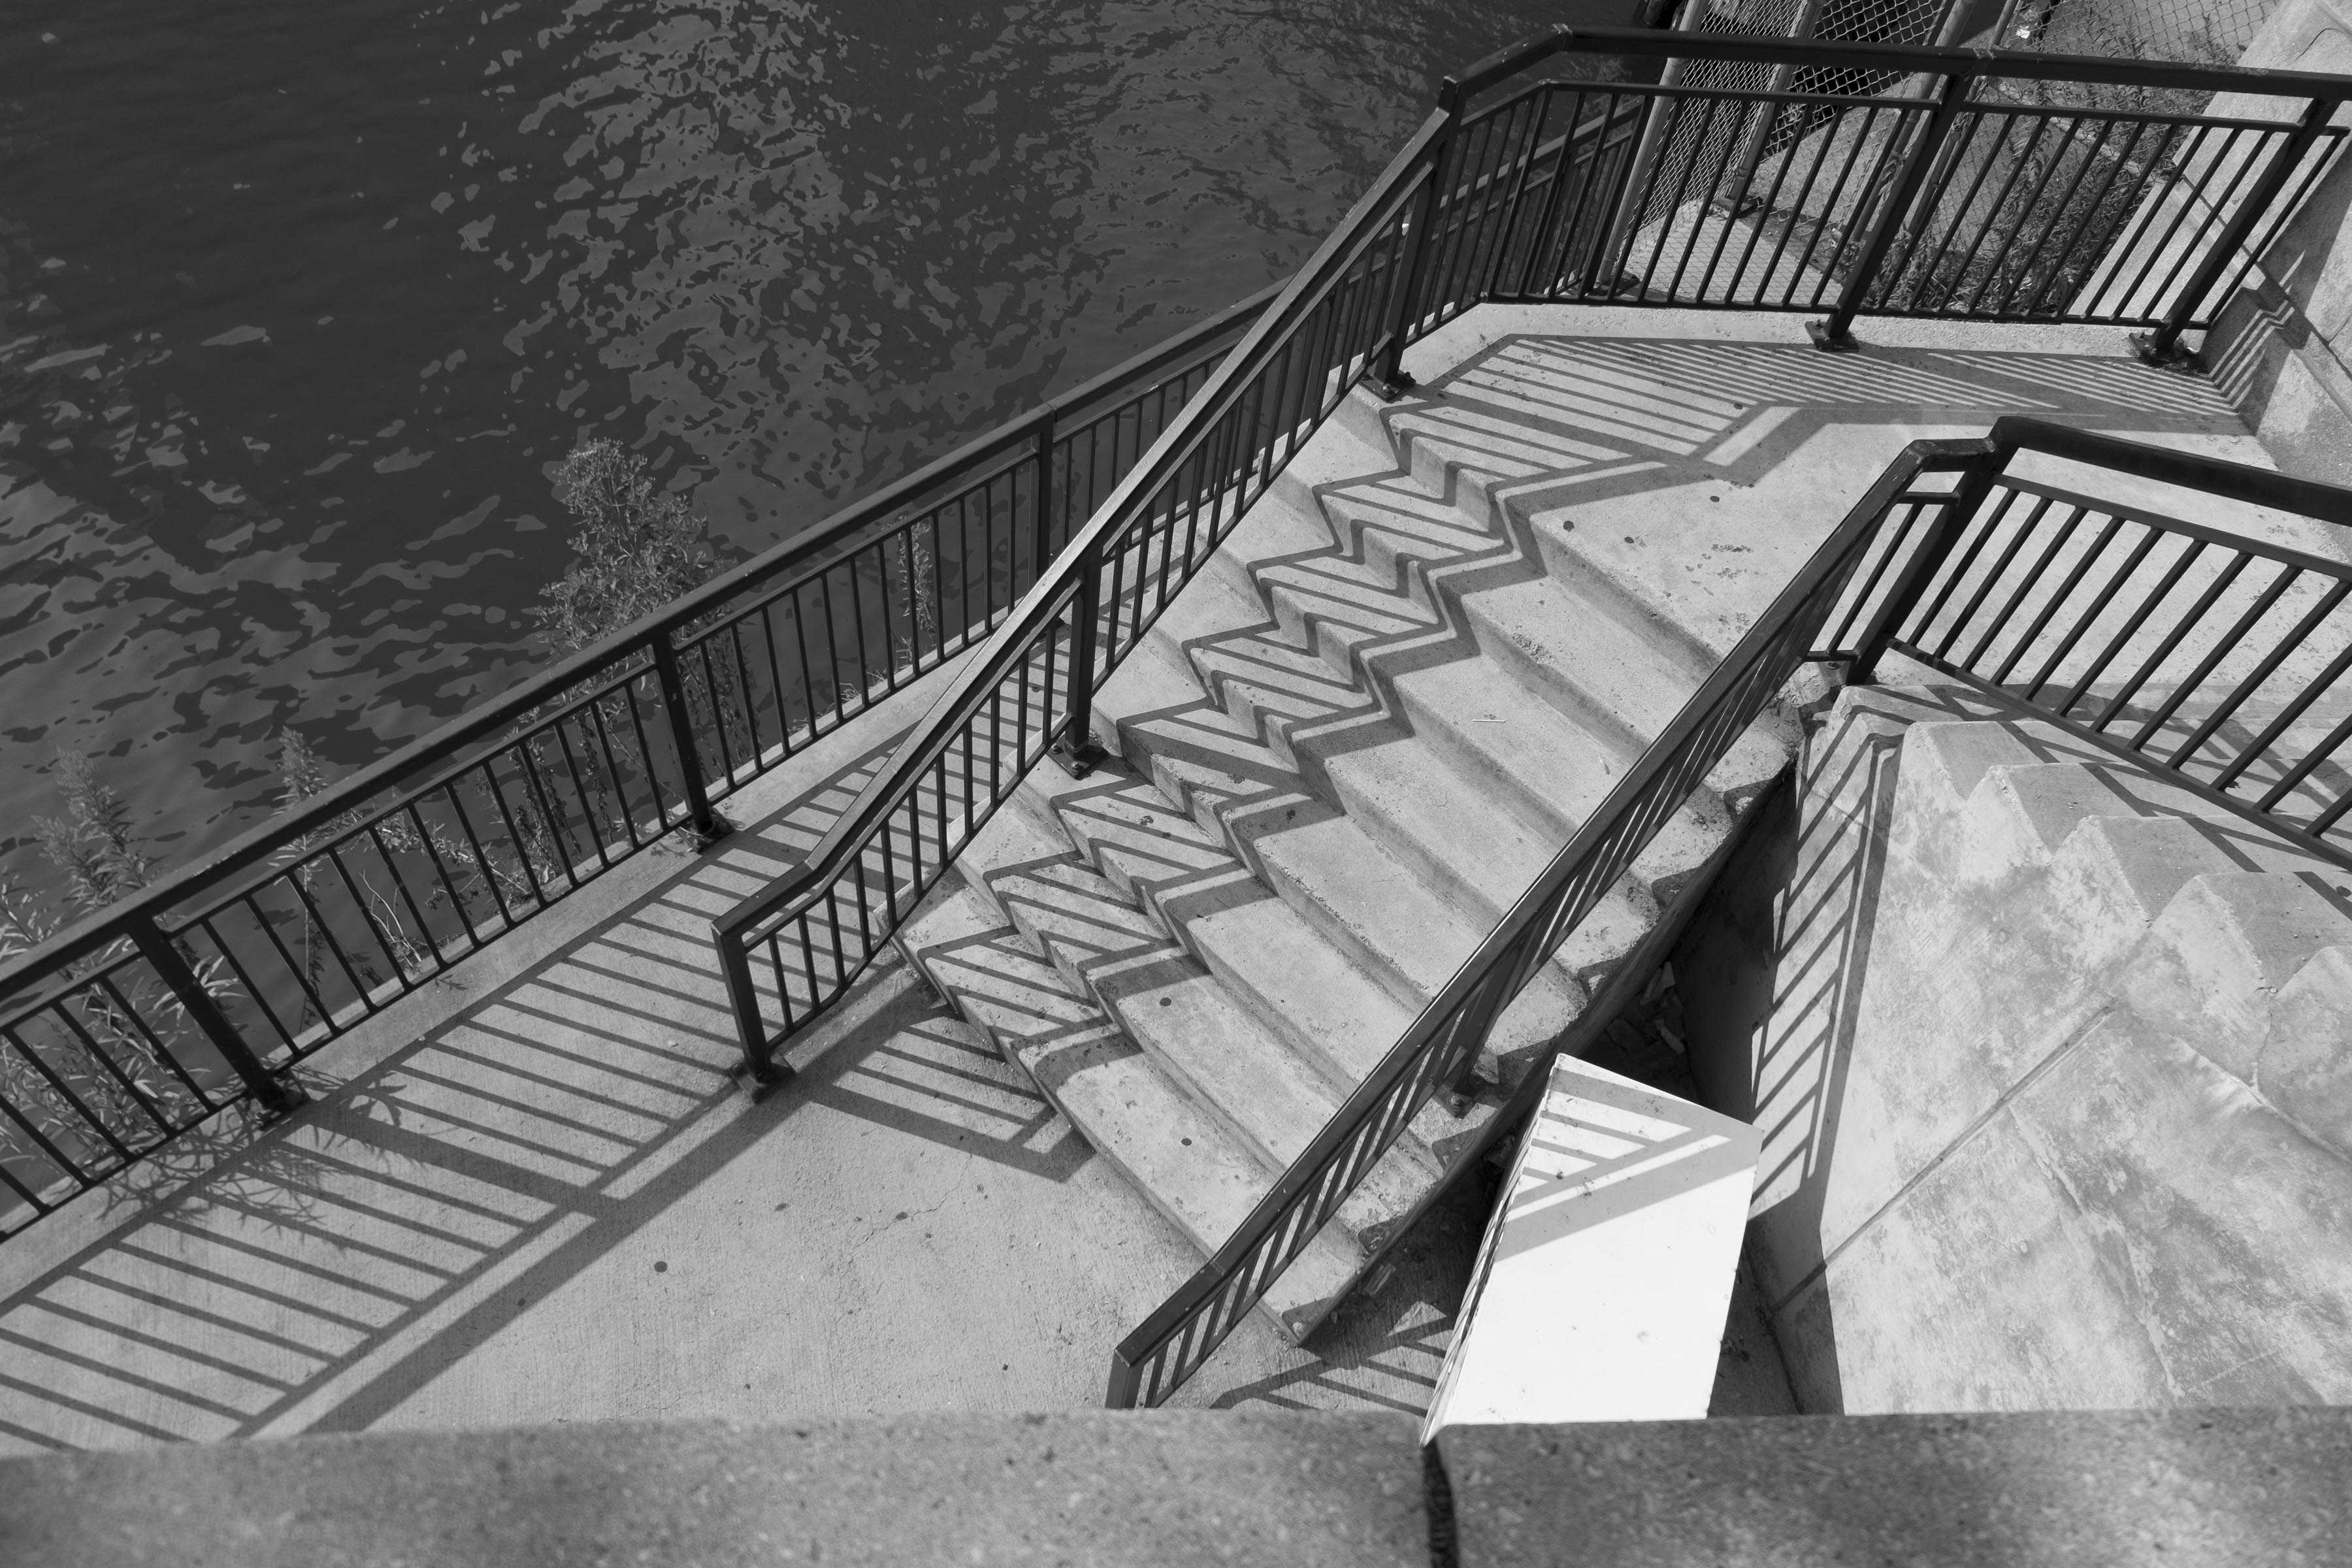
(688, 839)
(758, 1083)
(1390, 390)
(1079, 760)
(290, 1097)
(1829, 340)
(2171, 356)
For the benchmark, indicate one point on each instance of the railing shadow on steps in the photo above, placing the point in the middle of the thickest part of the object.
(1551, 194)
(1991, 577)
(137, 1025)
(124, 1031)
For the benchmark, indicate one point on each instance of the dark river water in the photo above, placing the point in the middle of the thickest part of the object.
(300, 299)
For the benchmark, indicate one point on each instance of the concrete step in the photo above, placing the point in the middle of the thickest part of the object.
(1185, 1161)
(1192, 1025)
(1269, 956)
(1246, 788)
(2304, 1070)
(1284, 736)
(2224, 946)
(1344, 751)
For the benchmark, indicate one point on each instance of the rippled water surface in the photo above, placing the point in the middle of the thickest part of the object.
(300, 302)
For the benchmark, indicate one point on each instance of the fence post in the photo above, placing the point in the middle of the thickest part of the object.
(1836, 332)
(1042, 548)
(279, 1095)
(1387, 376)
(1966, 496)
(2162, 346)
(709, 825)
(1126, 1383)
(1075, 752)
(759, 1071)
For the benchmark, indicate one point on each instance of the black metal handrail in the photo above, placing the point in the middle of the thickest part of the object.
(1544, 195)
(2216, 658)
(137, 1023)
(791, 952)
(1942, 198)
(141, 1020)
(1553, 193)
(2227, 653)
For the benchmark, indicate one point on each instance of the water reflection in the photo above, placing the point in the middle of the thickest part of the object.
(299, 303)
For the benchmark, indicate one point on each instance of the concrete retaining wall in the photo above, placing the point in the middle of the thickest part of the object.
(2193, 1490)
(2281, 347)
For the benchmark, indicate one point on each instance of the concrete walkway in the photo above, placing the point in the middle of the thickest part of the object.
(529, 1195)
(532, 1195)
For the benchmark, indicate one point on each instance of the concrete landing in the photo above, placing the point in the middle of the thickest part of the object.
(1735, 446)
(531, 1196)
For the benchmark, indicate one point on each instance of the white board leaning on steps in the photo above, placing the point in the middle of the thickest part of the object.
(1605, 1276)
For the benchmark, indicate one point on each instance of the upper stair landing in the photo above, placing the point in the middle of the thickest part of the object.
(1737, 446)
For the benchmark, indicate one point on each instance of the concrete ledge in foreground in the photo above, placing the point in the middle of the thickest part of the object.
(1103, 1487)
(2227, 1488)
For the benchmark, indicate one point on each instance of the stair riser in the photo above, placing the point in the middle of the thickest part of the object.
(1178, 1044)
(1184, 932)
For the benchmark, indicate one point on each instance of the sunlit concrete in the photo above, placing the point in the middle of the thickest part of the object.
(530, 1193)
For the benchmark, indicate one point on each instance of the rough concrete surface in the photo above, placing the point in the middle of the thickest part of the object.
(1099, 1488)
(534, 1195)
(2227, 1488)
(2009, 1165)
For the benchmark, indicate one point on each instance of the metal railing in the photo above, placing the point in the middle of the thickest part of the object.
(1951, 194)
(1550, 194)
(791, 952)
(141, 1021)
(2213, 657)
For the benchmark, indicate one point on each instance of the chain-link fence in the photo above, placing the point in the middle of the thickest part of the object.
(1734, 142)
(2197, 32)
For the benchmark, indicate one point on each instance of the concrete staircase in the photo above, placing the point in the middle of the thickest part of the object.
(2211, 924)
(2061, 1101)
(1340, 757)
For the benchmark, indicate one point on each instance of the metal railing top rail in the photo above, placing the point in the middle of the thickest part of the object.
(1907, 59)
(2190, 470)
(1179, 444)
(805, 554)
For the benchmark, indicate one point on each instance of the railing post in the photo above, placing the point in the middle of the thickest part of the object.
(1836, 332)
(2162, 346)
(1976, 480)
(758, 1071)
(278, 1095)
(709, 825)
(1075, 751)
(1042, 548)
(1389, 377)
(1126, 1383)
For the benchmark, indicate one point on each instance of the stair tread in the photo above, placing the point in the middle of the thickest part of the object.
(1298, 980)
(1187, 1020)
(1187, 1164)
